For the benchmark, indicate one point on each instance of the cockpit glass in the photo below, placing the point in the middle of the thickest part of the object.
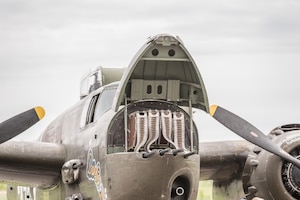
(104, 102)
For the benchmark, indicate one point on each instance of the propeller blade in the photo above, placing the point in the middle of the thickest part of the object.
(249, 132)
(19, 123)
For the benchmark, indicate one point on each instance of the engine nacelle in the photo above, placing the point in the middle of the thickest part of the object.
(267, 175)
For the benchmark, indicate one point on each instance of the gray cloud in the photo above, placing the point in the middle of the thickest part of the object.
(247, 51)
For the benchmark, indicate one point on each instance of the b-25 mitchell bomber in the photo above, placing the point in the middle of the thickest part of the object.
(132, 136)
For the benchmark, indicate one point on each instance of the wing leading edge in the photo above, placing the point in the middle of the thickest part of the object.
(223, 160)
(35, 164)
(224, 163)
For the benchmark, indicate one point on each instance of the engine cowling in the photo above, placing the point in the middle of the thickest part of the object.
(267, 175)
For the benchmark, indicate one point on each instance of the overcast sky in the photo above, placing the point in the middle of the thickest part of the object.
(248, 53)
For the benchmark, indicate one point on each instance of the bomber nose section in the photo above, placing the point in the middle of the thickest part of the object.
(157, 94)
(158, 177)
(152, 141)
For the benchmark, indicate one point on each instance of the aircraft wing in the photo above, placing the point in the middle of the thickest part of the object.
(38, 164)
(224, 160)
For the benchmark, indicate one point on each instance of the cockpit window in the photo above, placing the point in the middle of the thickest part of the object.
(90, 111)
(104, 102)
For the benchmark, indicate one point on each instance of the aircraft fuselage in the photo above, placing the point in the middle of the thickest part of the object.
(136, 138)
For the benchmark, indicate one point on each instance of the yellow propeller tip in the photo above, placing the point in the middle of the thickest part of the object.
(213, 109)
(40, 112)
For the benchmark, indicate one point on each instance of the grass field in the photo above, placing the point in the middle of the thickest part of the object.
(2, 191)
(204, 192)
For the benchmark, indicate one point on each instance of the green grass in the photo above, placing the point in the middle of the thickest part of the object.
(3, 191)
(2, 186)
(204, 192)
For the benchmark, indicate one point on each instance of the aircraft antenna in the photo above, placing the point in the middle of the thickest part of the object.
(191, 123)
(125, 123)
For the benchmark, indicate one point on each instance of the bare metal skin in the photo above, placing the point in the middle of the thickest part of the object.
(132, 136)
